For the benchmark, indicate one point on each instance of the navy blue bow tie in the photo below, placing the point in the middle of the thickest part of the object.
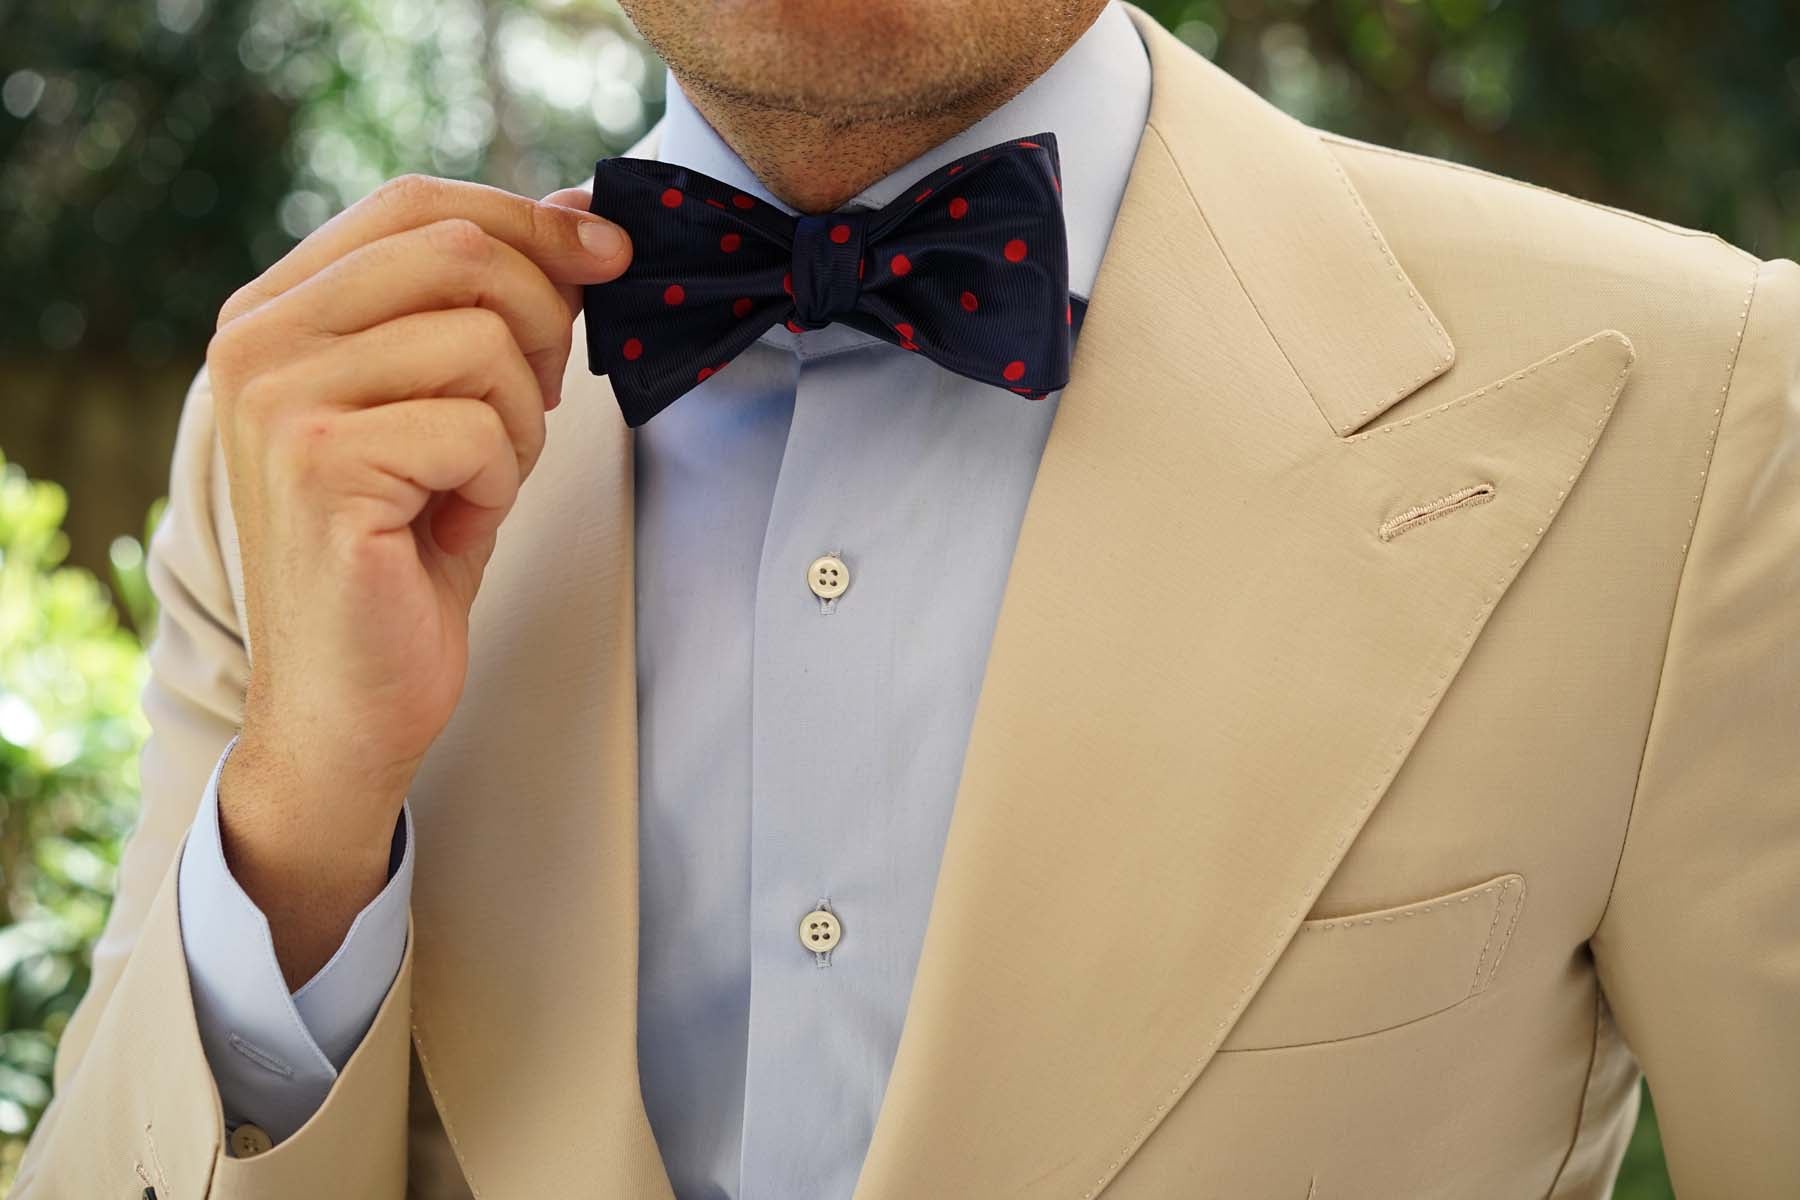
(968, 267)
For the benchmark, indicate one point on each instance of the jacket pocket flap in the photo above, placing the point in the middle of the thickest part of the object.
(1361, 973)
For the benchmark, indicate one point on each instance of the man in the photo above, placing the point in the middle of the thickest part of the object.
(1321, 751)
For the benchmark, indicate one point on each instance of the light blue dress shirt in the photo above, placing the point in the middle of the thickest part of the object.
(795, 752)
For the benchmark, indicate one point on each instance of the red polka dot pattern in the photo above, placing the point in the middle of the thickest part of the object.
(944, 252)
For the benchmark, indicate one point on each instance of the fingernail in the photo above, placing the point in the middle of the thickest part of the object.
(601, 237)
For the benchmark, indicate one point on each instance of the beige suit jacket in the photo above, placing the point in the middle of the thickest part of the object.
(1388, 744)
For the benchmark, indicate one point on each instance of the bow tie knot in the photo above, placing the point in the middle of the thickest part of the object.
(828, 267)
(968, 267)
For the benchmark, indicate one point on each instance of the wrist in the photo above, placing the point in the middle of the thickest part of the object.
(309, 850)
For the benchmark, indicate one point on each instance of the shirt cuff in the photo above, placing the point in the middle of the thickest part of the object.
(275, 1056)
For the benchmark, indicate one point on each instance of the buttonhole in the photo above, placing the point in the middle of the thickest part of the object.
(1461, 498)
(260, 1057)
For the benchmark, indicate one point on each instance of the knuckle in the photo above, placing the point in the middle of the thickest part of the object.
(227, 360)
(488, 332)
(408, 196)
(548, 226)
(239, 302)
(460, 238)
(491, 426)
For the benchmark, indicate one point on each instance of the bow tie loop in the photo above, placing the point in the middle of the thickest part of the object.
(969, 267)
(828, 267)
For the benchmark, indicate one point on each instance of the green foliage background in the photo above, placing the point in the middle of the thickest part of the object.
(155, 154)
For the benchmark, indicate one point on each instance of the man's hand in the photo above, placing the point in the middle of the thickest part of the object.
(380, 397)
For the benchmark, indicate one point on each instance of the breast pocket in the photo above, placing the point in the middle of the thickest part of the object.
(1353, 975)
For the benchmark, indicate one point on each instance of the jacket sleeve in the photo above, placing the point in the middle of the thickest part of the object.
(1699, 949)
(135, 1104)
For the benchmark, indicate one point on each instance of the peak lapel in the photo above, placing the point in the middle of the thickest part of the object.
(1210, 660)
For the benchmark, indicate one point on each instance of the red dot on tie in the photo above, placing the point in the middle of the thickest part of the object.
(954, 169)
(793, 328)
(905, 331)
(740, 308)
(1014, 370)
(860, 264)
(674, 294)
(671, 198)
(959, 208)
(1031, 145)
(969, 303)
(1021, 391)
(922, 196)
(909, 345)
(743, 201)
(705, 374)
(1015, 250)
(840, 234)
(900, 264)
(631, 349)
(714, 203)
(730, 242)
(787, 283)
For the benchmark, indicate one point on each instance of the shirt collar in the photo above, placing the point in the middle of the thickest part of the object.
(1095, 99)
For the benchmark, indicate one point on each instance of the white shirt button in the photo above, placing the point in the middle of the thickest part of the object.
(247, 1141)
(820, 931)
(828, 576)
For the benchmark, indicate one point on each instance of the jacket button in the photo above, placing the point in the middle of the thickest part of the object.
(248, 1141)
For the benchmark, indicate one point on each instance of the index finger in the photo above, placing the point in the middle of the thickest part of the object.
(572, 247)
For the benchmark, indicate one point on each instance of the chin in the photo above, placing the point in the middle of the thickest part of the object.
(826, 57)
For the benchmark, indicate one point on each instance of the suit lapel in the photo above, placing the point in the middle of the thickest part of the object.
(1210, 661)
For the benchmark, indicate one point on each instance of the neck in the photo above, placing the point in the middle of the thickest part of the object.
(814, 163)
